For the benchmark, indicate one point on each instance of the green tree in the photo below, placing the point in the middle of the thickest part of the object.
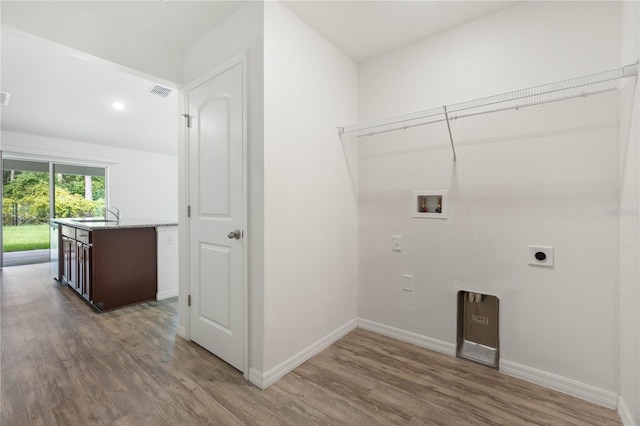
(23, 182)
(26, 197)
(74, 205)
(75, 184)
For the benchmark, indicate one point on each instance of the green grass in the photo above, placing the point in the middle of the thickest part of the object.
(26, 237)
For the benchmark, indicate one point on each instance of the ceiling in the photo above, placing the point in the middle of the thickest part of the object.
(177, 22)
(62, 95)
(56, 91)
(364, 29)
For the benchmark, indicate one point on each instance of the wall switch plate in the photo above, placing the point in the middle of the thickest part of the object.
(407, 282)
(541, 255)
(170, 239)
(396, 242)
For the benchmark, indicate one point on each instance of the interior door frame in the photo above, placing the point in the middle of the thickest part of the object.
(240, 58)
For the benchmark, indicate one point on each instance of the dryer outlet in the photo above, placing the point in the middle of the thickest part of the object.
(541, 255)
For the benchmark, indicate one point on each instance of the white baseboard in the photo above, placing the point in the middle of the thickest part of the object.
(167, 294)
(562, 384)
(571, 387)
(624, 413)
(181, 332)
(408, 336)
(565, 385)
(256, 377)
(265, 380)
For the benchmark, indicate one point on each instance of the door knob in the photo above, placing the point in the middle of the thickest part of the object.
(235, 234)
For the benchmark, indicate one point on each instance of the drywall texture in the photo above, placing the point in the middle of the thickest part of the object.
(240, 32)
(141, 184)
(545, 176)
(629, 220)
(311, 220)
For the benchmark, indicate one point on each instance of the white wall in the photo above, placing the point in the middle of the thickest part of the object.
(310, 241)
(629, 407)
(168, 255)
(504, 51)
(548, 176)
(242, 31)
(141, 184)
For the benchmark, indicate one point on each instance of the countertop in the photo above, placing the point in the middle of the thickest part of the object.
(97, 223)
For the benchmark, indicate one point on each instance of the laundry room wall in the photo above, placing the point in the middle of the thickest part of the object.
(310, 215)
(541, 176)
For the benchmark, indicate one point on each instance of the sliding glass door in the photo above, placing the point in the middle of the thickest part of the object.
(25, 211)
(79, 191)
(35, 191)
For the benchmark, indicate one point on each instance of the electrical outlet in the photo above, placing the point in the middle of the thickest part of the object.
(170, 239)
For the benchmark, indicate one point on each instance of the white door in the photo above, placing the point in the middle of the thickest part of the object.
(216, 199)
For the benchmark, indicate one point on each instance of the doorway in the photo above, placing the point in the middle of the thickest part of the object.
(33, 191)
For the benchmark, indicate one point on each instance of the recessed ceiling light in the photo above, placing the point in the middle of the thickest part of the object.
(118, 105)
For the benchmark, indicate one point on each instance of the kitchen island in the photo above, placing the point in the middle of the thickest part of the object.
(109, 263)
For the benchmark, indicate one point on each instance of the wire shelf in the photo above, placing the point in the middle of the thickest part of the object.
(584, 86)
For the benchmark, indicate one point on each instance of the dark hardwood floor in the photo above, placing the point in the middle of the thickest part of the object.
(64, 364)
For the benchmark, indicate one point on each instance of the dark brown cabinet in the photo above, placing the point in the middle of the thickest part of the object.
(69, 256)
(84, 271)
(83, 250)
(75, 252)
(111, 267)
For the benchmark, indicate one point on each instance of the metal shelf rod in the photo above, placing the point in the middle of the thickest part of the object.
(624, 72)
(446, 116)
(418, 115)
(537, 94)
(455, 117)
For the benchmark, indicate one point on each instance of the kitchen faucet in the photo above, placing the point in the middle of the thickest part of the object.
(116, 213)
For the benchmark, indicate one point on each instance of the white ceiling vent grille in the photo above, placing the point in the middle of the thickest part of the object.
(160, 91)
(4, 98)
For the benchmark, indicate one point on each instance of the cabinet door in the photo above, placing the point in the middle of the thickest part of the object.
(64, 260)
(84, 270)
(69, 261)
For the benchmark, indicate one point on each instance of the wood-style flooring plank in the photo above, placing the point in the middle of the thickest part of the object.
(61, 363)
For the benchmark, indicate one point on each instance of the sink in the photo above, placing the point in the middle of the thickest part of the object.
(93, 220)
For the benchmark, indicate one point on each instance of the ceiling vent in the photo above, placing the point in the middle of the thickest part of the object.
(4, 98)
(160, 91)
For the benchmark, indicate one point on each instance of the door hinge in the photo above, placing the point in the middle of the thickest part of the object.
(188, 211)
(189, 300)
(188, 117)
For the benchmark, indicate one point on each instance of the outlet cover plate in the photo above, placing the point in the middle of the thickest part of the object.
(396, 242)
(407, 282)
(541, 255)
